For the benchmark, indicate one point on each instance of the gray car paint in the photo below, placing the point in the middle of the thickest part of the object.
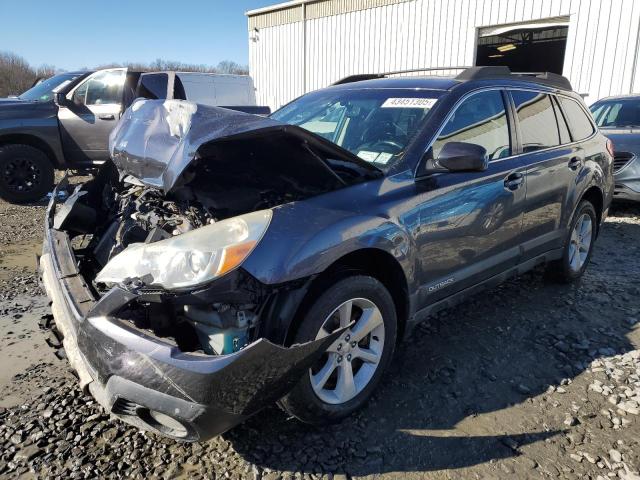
(431, 226)
(628, 177)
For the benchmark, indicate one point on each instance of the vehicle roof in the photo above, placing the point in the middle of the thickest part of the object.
(196, 73)
(433, 82)
(423, 82)
(628, 96)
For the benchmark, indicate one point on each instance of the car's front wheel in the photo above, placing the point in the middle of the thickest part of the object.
(351, 368)
(26, 174)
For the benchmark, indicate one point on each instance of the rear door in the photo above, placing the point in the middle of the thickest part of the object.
(470, 222)
(552, 165)
(93, 109)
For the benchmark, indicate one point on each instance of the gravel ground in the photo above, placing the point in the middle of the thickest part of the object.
(529, 380)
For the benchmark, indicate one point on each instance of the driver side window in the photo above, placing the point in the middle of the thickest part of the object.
(103, 88)
(481, 120)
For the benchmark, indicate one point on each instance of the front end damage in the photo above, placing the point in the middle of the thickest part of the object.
(193, 353)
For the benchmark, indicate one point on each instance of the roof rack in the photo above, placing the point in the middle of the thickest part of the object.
(473, 73)
(546, 78)
(374, 76)
(359, 78)
(550, 78)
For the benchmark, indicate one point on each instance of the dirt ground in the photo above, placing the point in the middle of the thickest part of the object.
(529, 380)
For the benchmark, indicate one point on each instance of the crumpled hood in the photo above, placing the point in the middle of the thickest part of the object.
(155, 140)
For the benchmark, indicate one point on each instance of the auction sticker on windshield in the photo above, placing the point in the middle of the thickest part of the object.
(375, 157)
(411, 102)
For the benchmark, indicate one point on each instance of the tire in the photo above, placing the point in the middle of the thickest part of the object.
(325, 405)
(575, 258)
(26, 174)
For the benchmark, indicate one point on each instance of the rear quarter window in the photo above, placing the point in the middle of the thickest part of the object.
(579, 123)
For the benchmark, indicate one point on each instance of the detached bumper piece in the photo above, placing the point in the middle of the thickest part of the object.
(152, 384)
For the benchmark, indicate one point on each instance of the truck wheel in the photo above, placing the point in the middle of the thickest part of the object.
(26, 174)
(578, 246)
(344, 378)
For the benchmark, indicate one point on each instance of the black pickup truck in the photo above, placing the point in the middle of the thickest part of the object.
(64, 122)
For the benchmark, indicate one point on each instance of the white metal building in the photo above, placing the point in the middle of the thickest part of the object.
(303, 45)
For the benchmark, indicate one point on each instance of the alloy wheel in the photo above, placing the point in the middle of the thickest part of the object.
(350, 362)
(21, 175)
(580, 242)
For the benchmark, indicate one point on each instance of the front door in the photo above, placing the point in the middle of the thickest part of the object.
(92, 111)
(470, 223)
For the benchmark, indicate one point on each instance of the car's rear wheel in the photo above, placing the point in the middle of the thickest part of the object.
(578, 246)
(351, 368)
(26, 174)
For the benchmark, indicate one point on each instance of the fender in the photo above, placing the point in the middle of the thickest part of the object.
(325, 235)
(344, 232)
(34, 124)
(592, 175)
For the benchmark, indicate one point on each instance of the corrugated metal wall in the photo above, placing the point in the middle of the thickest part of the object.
(292, 58)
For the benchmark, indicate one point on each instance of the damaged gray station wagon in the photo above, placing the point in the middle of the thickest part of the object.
(224, 261)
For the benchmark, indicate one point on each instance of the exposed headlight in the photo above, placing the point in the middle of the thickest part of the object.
(192, 258)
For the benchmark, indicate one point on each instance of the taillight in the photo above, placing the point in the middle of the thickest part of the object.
(610, 147)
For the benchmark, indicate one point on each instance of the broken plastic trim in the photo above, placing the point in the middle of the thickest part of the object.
(239, 384)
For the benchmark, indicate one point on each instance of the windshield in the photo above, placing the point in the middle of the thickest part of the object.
(374, 124)
(42, 92)
(617, 113)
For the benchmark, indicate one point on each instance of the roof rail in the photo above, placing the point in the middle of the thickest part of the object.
(546, 78)
(549, 78)
(373, 76)
(359, 78)
(473, 73)
(480, 73)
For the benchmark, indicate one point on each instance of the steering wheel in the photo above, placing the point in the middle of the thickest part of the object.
(395, 146)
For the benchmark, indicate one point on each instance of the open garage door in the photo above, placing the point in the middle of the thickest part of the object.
(536, 46)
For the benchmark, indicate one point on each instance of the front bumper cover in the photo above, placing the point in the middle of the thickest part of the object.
(627, 181)
(143, 380)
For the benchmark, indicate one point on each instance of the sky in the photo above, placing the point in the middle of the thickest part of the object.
(72, 34)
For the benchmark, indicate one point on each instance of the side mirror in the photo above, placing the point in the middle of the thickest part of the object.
(60, 99)
(463, 157)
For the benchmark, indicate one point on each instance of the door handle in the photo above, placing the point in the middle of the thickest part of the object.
(514, 181)
(107, 116)
(575, 163)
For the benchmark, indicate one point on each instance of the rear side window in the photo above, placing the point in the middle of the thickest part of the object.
(153, 85)
(579, 123)
(482, 120)
(538, 126)
(562, 124)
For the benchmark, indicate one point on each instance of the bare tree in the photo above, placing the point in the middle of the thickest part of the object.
(226, 66)
(16, 75)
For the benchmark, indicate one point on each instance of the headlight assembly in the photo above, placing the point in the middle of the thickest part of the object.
(190, 259)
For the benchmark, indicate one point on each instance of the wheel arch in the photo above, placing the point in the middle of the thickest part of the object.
(595, 196)
(32, 141)
(374, 262)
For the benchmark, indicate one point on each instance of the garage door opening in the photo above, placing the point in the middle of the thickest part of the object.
(537, 46)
